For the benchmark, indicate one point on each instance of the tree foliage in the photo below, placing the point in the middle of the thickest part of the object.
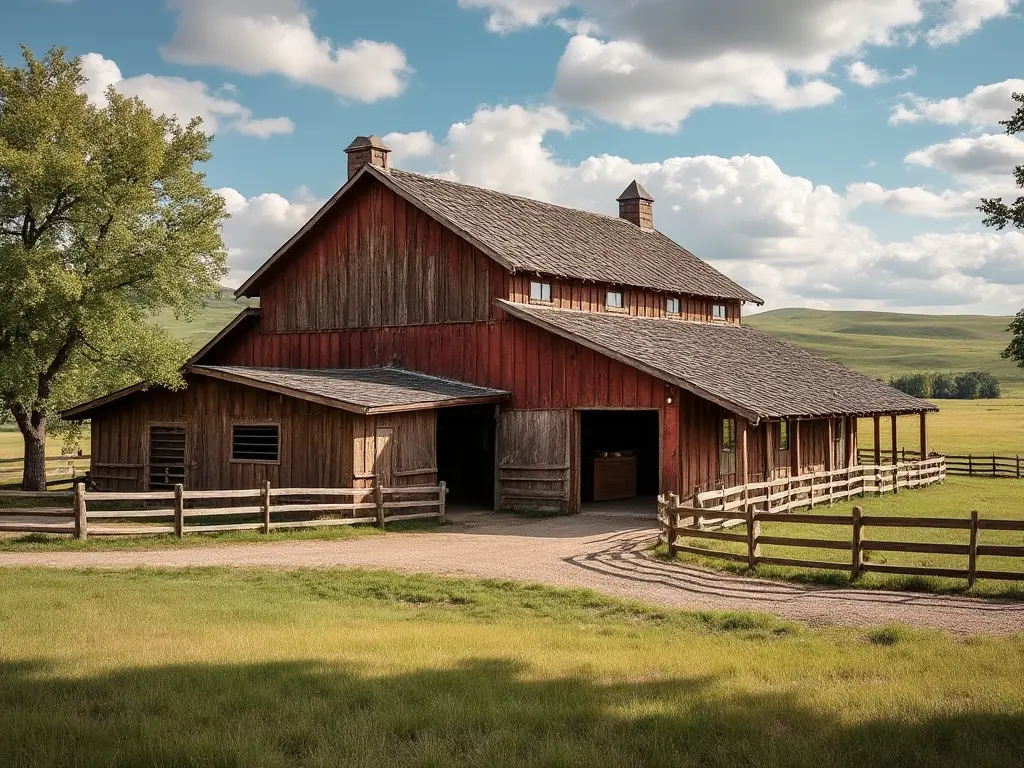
(972, 385)
(104, 219)
(1001, 215)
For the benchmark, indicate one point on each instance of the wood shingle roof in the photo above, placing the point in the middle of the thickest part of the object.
(735, 366)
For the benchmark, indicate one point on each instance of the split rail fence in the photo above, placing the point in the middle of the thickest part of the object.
(709, 515)
(266, 508)
(62, 469)
(971, 464)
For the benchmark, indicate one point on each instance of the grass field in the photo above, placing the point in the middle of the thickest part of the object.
(956, 498)
(325, 668)
(960, 427)
(218, 312)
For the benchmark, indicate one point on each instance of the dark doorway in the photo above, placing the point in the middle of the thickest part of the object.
(465, 454)
(615, 445)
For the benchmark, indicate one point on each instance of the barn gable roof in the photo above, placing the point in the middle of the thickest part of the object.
(527, 235)
(739, 368)
(359, 390)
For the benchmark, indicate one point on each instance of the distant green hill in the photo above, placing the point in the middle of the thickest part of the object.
(211, 319)
(883, 344)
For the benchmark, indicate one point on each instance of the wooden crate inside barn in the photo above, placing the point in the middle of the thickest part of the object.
(614, 477)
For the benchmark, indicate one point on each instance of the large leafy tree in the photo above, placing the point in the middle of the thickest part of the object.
(1001, 215)
(104, 219)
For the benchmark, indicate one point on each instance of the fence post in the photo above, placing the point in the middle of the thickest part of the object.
(789, 493)
(265, 503)
(441, 500)
(810, 494)
(858, 558)
(993, 465)
(895, 479)
(1018, 466)
(972, 552)
(81, 520)
(970, 465)
(378, 494)
(179, 510)
(673, 522)
(753, 534)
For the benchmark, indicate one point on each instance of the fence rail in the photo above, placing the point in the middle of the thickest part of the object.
(971, 464)
(672, 514)
(72, 512)
(63, 469)
(815, 489)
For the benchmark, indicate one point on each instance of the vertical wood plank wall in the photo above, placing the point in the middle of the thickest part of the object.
(414, 453)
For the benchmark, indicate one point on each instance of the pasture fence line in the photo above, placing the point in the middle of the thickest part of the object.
(967, 465)
(786, 494)
(268, 508)
(63, 469)
(672, 515)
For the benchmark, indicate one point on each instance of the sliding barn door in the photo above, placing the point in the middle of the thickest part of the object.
(166, 457)
(534, 461)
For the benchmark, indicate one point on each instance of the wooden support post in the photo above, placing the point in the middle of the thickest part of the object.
(179, 510)
(895, 437)
(878, 441)
(673, 522)
(830, 447)
(858, 557)
(744, 452)
(769, 453)
(753, 534)
(795, 440)
(265, 503)
(81, 519)
(972, 552)
(441, 501)
(378, 495)
(924, 435)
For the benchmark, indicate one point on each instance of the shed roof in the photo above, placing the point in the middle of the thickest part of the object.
(735, 366)
(532, 236)
(360, 390)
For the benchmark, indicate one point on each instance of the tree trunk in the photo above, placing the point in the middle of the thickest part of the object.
(34, 477)
(33, 431)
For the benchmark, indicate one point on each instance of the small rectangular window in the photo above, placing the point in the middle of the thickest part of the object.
(613, 300)
(783, 435)
(837, 434)
(672, 306)
(255, 442)
(540, 291)
(729, 435)
(718, 312)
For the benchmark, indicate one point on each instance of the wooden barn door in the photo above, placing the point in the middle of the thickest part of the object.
(535, 460)
(166, 456)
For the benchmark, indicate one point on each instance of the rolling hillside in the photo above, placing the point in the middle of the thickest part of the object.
(217, 313)
(884, 343)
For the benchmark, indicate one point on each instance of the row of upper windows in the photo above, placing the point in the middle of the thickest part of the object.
(613, 300)
(728, 444)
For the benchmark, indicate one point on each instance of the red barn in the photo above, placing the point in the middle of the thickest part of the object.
(530, 355)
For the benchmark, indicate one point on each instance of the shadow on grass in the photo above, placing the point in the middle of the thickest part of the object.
(484, 713)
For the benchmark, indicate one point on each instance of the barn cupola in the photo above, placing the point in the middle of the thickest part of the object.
(367, 150)
(637, 206)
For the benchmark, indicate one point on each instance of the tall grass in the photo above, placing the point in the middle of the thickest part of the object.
(325, 668)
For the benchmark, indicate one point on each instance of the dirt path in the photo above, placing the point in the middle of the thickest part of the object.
(604, 553)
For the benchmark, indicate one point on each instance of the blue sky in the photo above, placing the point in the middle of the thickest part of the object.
(825, 153)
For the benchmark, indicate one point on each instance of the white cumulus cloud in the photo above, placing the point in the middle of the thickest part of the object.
(963, 17)
(258, 37)
(176, 96)
(986, 105)
(864, 74)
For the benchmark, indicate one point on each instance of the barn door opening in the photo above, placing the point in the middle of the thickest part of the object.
(166, 457)
(620, 459)
(465, 454)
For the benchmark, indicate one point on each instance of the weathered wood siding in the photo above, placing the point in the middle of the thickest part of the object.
(315, 441)
(411, 459)
(380, 262)
(592, 297)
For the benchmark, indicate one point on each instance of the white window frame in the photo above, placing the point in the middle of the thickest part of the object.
(540, 291)
(719, 313)
(619, 300)
(673, 301)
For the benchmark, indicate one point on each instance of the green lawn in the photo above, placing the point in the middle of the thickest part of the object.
(325, 668)
(960, 427)
(995, 499)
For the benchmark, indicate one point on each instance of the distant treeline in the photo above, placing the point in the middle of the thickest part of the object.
(974, 385)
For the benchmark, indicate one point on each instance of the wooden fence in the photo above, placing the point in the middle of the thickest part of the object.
(817, 488)
(672, 516)
(971, 464)
(62, 469)
(73, 512)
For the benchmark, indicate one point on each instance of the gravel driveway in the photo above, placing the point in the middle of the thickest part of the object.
(603, 552)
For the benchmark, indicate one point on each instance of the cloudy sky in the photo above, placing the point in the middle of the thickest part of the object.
(825, 153)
